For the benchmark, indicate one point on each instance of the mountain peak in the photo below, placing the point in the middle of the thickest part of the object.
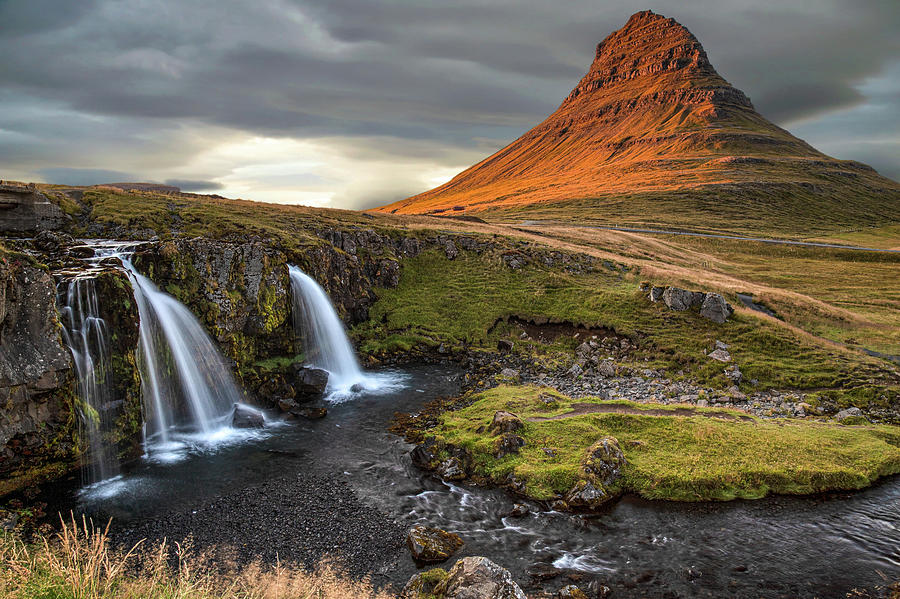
(652, 119)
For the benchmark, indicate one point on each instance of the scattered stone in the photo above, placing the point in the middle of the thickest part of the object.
(287, 404)
(505, 422)
(721, 345)
(247, 417)
(656, 293)
(715, 308)
(571, 591)
(508, 444)
(720, 354)
(607, 368)
(478, 578)
(850, 416)
(509, 373)
(450, 249)
(452, 469)
(733, 373)
(432, 544)
(504, 346)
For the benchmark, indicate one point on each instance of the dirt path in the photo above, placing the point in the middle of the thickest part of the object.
(581, 409)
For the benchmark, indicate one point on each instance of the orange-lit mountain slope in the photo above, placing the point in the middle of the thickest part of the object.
(653, 135)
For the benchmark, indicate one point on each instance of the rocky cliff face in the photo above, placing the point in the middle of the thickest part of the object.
(36, 382)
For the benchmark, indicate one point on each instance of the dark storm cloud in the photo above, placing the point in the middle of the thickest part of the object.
(122, 76)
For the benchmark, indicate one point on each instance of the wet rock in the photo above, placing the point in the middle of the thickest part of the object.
(715, 308)
(504, 346)
(587, 496)
(247, 417)
(452, 469)
(505, 422)
(508, 444)
(310, 382)
(425, 454)
(599, 590)
(541, 571)
(422, 585)
(287, 404)
(682, 299)
(519, 510)
(720, 354)
(311, 412)
(51, 241)
(478, 578)
(571, 591)
(81, 251)
(432, 544)
(604, 461)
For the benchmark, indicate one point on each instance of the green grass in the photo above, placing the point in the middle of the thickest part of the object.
(458, 302)
(683, 458)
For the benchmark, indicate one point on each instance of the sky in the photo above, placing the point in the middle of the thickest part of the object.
(355, 104)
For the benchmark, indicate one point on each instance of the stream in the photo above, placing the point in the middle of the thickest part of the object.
(262, 492)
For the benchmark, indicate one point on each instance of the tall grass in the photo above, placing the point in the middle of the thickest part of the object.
(79, 562)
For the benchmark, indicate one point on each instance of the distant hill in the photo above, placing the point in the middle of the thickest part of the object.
(654, 136)
(154, 187)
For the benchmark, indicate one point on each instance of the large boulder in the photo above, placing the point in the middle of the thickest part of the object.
(246, 417)
(310, 383)
(431, 544)
(505, 422)
(682, 299)
(478, 578)
(715, 308)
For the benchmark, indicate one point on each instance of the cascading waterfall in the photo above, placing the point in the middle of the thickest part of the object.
(325, 342)
(85, 334)
(179, 361)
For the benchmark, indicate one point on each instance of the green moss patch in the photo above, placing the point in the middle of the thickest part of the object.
(708, 454)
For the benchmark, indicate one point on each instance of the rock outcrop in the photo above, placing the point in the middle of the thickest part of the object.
(711, 306)
(36, 382)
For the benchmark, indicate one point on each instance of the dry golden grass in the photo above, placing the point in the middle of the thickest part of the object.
(79, 563)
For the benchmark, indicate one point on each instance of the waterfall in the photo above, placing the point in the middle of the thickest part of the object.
(325, 342)
(84, 333)
(186, 384)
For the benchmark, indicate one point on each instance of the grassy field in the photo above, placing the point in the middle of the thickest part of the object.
(701, 456)
(458, 302)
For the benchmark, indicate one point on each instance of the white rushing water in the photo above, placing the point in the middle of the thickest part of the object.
(325, 342)
(189, 393)
(84, 333)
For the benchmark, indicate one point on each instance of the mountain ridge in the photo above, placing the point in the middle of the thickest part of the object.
(652, 117)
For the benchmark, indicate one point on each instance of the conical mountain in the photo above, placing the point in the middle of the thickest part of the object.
(653, 136)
